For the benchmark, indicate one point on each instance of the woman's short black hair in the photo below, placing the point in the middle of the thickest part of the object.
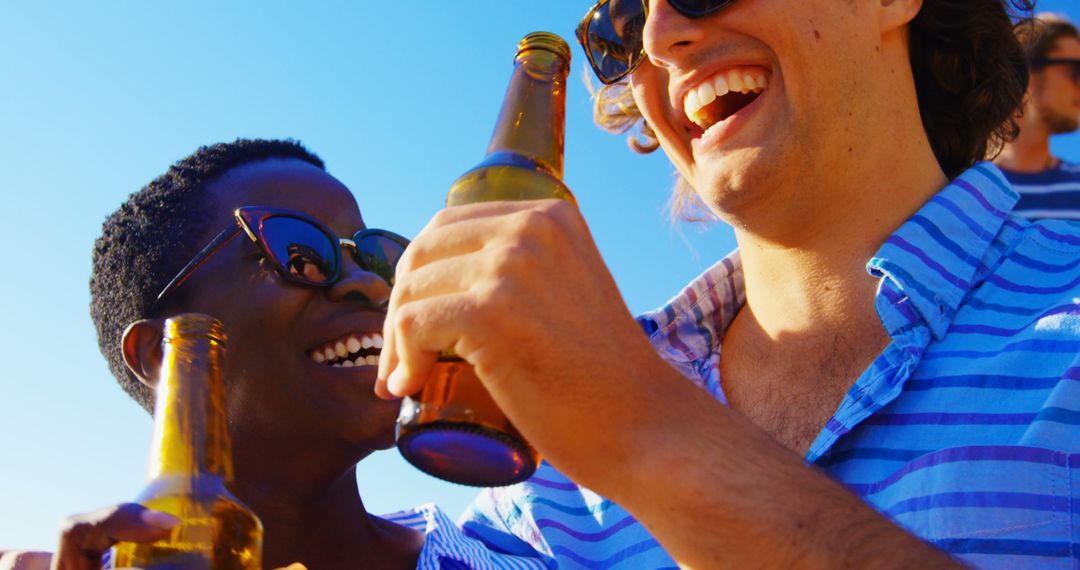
(154, 233)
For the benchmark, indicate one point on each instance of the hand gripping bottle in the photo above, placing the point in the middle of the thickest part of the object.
(453, 429)
(191, 462)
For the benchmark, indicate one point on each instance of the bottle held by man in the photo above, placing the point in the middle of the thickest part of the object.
(191, 462)
(453, 429)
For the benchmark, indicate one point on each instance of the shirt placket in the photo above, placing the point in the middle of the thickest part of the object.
(882, 382)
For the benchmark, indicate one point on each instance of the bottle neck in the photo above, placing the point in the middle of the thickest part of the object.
(190, 434)
(532, 120)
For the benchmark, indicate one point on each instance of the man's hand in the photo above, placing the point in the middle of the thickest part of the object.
(519, 290)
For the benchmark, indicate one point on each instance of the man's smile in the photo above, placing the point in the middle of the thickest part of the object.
(723, 94)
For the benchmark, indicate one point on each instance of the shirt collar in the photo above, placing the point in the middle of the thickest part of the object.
(942, 252)
(934, 259)
(689, 327)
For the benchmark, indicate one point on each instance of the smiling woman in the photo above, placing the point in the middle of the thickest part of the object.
(304, 322)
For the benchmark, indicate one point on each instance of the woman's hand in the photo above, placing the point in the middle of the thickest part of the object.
(85, 538)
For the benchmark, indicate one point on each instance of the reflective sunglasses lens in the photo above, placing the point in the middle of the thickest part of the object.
(300, 249)
(698, 8)
(613, 37)
(378, 254)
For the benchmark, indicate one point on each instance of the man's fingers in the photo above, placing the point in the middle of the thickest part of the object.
(443, 241)
(422, 329)
(387, 359)
(445, 278)
(25, 560)
(413, 364)
(460, 230)
(84, 538)
(453, 214)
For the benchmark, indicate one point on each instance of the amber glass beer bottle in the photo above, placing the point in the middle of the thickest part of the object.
(191, 462)
(453, 429)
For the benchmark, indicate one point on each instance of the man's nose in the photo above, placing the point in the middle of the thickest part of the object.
(668, 35)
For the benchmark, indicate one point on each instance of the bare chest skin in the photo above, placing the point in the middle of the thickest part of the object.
(790, 387)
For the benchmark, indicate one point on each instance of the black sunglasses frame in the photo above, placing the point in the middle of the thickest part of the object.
(1042, 62)
(251, 219)
(681, 6)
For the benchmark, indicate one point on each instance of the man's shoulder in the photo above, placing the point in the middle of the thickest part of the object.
(1022, 314)
(1063, 171)
(1041, 247)
(1071, 168)
(1052, 193)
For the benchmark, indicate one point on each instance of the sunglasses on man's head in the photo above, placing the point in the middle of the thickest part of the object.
(611, 33)
(302, 250)
(1041, 62)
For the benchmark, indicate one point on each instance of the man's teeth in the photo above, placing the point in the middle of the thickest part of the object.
(348, 351)
(731, 81)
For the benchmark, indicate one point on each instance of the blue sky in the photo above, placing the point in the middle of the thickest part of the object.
(96, 99)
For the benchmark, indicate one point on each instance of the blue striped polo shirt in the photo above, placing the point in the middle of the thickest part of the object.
(966, 429)
(446, 547)
(1052, 193)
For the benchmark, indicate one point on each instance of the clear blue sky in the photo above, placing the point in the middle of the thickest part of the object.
(96, 99)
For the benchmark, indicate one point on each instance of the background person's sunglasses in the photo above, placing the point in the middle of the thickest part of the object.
(1041, 62)
(611, 31)
(301, 249)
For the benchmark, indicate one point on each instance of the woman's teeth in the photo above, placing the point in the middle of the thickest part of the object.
(350, 350)
(731, 81)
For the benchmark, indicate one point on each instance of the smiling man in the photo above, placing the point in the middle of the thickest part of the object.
(891, 355)
(1049, 187)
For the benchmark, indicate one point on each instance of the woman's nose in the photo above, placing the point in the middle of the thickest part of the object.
(359, 285)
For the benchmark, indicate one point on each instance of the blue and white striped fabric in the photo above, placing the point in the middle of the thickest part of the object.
(447, 548)
(1053, 193)
(965, 430)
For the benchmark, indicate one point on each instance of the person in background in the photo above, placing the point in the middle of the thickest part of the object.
(304, 338)
(884, 375)
(1049, 186)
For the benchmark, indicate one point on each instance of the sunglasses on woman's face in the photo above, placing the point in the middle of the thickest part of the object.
(1041, 62)
(611, 33)
(302, 250)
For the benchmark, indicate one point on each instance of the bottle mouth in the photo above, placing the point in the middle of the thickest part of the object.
(190, 325)
(546, 41)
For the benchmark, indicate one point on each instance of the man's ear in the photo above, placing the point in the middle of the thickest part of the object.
(141, 346)
(896, 14)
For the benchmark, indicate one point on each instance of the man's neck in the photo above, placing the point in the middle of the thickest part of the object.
(810, 323)
(1029, 153)
(808, 275)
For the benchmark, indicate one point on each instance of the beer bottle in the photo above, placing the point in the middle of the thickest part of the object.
(453, 429)
(191, 462)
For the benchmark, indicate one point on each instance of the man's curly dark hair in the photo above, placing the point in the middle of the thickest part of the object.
(970, 76)
(154, 234)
